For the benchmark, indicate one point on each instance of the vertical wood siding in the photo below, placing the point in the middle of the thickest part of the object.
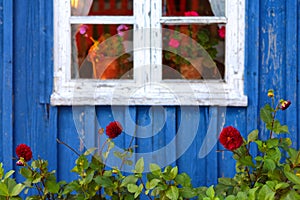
(271, 61)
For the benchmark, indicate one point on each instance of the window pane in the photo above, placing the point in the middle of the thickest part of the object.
(102, 51)
(193, 51)
(102, 7)
(193, 7)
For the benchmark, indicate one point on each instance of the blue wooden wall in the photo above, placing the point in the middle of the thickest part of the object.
(26, 46)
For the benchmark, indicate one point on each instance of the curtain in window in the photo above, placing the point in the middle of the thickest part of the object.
(218, 7)
(79, 8)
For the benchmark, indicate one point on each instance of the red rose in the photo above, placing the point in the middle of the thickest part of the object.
(24, 151)
(114, 129)
(231, 138)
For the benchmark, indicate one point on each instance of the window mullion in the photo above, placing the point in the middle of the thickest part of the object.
(156, 41)
(141, 41)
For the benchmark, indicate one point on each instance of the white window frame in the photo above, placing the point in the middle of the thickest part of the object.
(147, 86)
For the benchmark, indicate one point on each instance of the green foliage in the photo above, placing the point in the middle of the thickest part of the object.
(273, 173)
(9, 189)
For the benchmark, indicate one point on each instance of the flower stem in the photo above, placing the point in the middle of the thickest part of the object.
(72, 149)
(129, 146)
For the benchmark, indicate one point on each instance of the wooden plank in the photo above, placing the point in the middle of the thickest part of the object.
(201, 163)
(187, 127)
(252, 70)
(290, 85)
(46, 54)
(235, 117)
(144, 135)
(1, 76)
(68, 134)
(298, 74)
(170, 131)
(130, 140)
(272, 47)
(7, 85)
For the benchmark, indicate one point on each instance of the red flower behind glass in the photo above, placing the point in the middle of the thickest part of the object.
(24, 151)
(114, 129)
(221, 32)
(231, 138)
(191, 13)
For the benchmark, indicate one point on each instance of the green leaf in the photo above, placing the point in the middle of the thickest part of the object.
(272, 142)
(3, 189)
(187, 192)
(118, 154)
(89, 151)
(227, 181)
(152, 184)
(210, 192)
(155, 169)
(172, 193)
(132, 188)
(266, 114)
(252, 193)
(290, 195)
(247, 161)
(26, 172)
(266, 193)
(104, 181)
(183, 179)
(8, 174)
(241, 196)
(129, 179)
(269, 164)
(278, 128)
(174, 172)
(292, 177)
(17, 190)
(281, 185)
(139, 166)
(230, 197)
(253, 136)
(128, 162)
(138, 192)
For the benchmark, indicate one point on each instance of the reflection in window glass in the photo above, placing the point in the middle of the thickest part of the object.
(193, 51)
(193, 7)
(102, 7)
(102, 51)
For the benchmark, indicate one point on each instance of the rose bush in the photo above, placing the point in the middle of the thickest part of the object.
(272, 173)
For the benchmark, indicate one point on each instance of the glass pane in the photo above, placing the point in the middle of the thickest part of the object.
(102, 51)
(101, 7)
(193, 51)
(193, 7)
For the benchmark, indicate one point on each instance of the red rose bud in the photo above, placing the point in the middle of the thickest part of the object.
(114, 129)
(20, 163)
(24, 151)
(231, 138)
(285, 104)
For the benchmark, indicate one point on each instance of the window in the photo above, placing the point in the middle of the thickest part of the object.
(141, 52)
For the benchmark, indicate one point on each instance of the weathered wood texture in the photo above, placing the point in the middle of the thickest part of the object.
(271, 61)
